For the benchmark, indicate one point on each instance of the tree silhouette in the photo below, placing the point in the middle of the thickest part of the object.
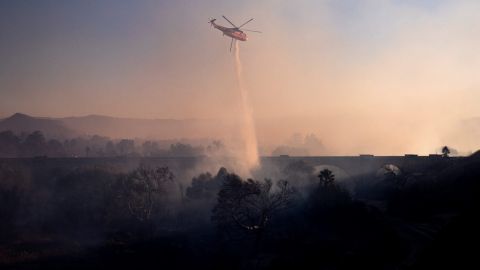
(126, 147)
(249, 205)
(445, 151)
(55, 148)
(141, 189)
(9, 144)
(326, 178)
(35, 144)
(205, 186)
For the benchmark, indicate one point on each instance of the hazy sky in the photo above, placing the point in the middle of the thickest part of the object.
(351, 71)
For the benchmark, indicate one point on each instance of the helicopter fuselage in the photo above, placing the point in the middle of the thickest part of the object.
(231, 32)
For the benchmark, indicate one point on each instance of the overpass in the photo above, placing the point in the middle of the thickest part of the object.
(365, 164)
(351, 165)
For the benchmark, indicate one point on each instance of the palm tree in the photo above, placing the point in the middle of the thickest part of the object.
(326, 178)
(445, 151)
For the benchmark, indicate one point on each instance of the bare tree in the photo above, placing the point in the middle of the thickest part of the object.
(141, 189)
(249, 205)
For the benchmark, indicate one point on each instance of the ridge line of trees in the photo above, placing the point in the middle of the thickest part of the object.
(35, 144)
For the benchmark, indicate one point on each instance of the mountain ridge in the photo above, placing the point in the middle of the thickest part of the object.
(114, 127)
(23, 123)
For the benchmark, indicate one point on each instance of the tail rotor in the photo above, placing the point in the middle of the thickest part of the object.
(211, 21)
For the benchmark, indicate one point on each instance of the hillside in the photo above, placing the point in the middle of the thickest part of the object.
(52, 128)
(114, 127)
(145, 128)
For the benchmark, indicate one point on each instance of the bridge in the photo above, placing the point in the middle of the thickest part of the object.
(350, 165)
(365, 164)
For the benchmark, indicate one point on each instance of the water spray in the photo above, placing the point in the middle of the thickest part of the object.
(250, 148)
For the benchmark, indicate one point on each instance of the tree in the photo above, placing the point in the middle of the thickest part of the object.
(249, 205)
(326, 178)
(327, 198)
(55, 148)
(9, 144)
(126, 147)
(150, 149)
(35, 144)
(200, 188)
(205, 186)
(142, 189)
(185, 150)
(110, 149)
(216, 147)
(445, 151)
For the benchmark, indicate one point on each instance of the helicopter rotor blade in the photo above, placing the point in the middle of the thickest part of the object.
(246, 22)
(248, 30)
(229, 21)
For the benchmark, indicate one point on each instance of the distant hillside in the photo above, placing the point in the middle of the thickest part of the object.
(51, 128)
(145, 128)
(116, 127)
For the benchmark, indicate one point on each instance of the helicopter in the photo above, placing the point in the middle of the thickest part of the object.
(235, 32)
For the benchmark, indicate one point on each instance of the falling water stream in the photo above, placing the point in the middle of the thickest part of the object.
(250, 149)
